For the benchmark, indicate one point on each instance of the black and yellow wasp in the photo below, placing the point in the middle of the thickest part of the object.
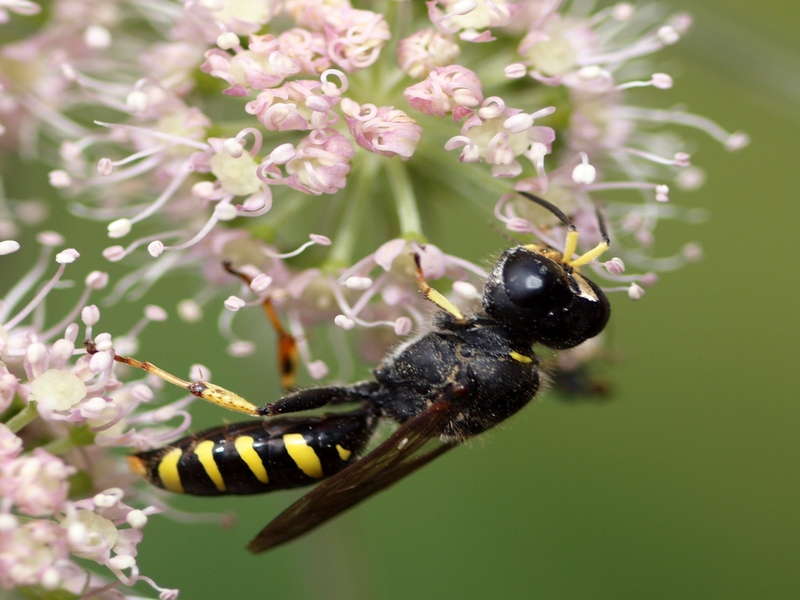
(462, 377)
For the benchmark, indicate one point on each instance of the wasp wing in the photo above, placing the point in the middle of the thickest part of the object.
(394, 459)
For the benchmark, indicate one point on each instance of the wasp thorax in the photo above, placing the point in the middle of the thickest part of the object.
(543, 300)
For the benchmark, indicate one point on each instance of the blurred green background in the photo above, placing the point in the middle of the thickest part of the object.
(684, 485)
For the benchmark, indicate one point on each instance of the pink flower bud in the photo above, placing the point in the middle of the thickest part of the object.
(444, 90)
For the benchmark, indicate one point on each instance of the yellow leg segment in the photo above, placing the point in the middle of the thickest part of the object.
(434, 296)
(202, 389)
(287, 345)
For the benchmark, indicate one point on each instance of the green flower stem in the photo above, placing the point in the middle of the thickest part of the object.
(23, 417)
(405, 200)
(60, 446)
(346, 235)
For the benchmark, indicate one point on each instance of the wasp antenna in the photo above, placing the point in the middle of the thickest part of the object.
(602, 225)
(551, 207)
(597, 250)
(571, 243)
(588, 256)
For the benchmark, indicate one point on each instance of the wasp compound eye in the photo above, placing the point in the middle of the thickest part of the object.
(534, 282)
(524, 289)
(538, 298)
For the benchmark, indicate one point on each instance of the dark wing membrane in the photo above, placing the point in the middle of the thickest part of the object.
(392, 460)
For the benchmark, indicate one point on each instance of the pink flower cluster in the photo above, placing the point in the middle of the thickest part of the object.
(316, 104)
(50, 367)
(252, 130)
(73, 404)
(42, 533)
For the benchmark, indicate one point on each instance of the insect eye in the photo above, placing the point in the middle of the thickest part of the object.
(538, 298)
(533, 281)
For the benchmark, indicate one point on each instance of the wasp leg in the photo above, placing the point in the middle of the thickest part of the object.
(202, 389)
(436, 297)
(287, 346)
(321, 396)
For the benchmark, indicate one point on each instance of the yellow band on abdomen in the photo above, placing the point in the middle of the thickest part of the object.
(205, 453)
(244, 446)
(168, 471)
(303, 455)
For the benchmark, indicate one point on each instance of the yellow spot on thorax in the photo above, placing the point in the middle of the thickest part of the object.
(303, 455)
(344, 453)
(520, 357)
(205, 453)
(244, 446)
(168, 471)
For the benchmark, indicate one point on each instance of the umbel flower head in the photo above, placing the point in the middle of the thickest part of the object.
(71, 409)
(201, 132)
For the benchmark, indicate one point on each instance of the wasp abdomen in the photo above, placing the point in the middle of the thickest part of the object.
(256, 457)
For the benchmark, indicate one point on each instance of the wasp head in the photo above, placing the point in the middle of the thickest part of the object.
(537, 294)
